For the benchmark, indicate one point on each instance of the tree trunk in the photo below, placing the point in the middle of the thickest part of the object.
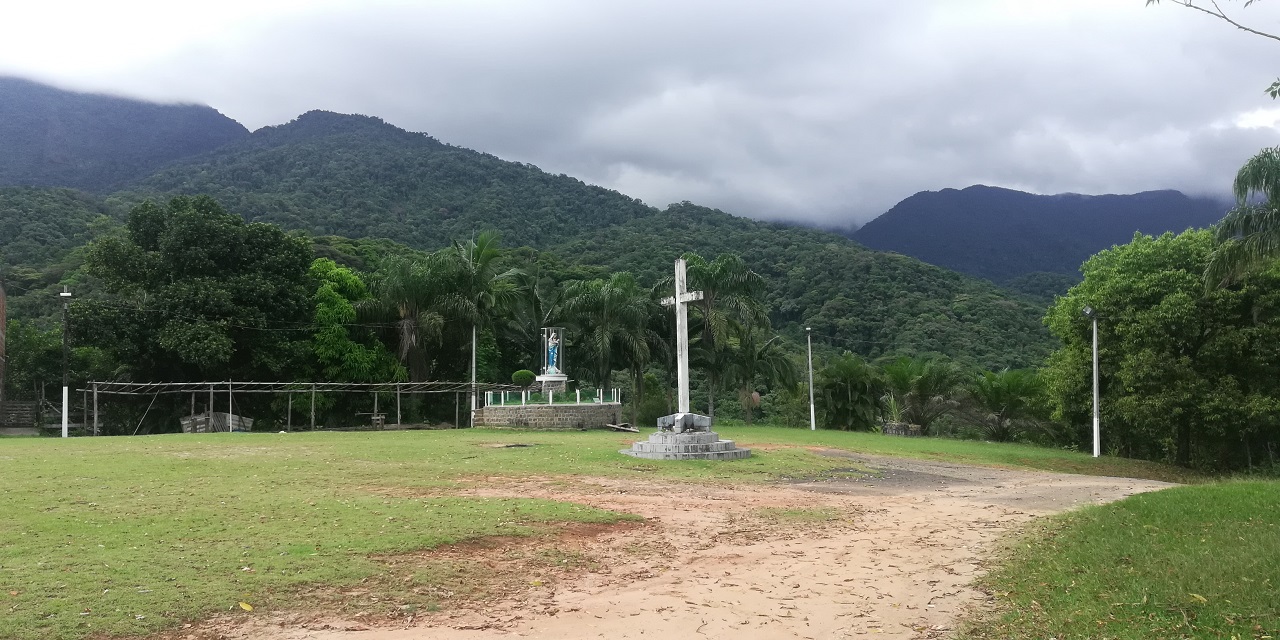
(1184, 444)
(637, 398)
(711, 400)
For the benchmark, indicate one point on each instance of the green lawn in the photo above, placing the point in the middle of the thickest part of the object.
(131, 535)
(1189, 562)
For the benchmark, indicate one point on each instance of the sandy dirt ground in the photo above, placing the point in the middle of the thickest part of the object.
(887, 556)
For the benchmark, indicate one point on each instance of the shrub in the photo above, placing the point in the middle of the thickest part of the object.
(523, 377)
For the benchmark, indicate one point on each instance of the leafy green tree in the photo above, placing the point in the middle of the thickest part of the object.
(1005, 403)
(1189, 375)
(924, 389)
(1249, 235)
(34, 357)
(789, 405)
(194, 292)
(846, 390)
(611, 317)
(346, 353)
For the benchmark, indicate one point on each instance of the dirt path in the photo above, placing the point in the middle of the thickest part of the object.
(890, 555)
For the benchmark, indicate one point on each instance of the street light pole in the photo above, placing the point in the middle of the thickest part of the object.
(66, 387)
(813, 421)
(1092, 314)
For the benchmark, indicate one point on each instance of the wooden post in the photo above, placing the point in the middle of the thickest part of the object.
(288, 424)
(457, 410)
(230, 406)
(397, 404)
(84, 411)
(209, 409)
(95, 408)
(193, 403)
(313, 406)
(375, 409)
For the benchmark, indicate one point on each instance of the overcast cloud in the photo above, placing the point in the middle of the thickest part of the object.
(827, 111)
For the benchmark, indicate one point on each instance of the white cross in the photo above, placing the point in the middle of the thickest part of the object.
(681, 302)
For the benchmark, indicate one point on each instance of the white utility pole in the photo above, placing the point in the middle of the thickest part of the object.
(66, 389)
(813, 419)
(1092, 315)
(1097, 423)
(473, 375)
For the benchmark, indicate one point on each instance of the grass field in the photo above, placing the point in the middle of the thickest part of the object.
(1189, 562)
(128, 536)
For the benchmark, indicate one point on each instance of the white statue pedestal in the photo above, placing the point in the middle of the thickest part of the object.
(553, 382)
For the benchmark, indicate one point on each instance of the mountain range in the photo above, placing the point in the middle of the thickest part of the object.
(98, 143)
(1003, 235)
(328, 174)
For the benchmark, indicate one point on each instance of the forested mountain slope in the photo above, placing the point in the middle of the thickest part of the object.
(865, 301)
(52, 137)
(357, 176)
(1002, 235)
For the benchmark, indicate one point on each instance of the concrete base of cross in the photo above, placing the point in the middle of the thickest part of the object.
(686, 436)
(681, 422)
(690, 445)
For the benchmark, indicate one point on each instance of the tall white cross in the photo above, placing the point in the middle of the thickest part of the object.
(681, 301)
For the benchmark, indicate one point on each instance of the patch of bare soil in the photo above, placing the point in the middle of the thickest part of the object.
(890, 555)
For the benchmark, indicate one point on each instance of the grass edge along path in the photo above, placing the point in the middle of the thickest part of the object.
(1186, 562)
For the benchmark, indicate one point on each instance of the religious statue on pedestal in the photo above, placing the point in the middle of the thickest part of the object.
(553, 353)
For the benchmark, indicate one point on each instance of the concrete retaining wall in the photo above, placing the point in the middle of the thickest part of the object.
(550, 416)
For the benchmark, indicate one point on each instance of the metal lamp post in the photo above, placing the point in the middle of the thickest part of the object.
(1092, 315)
(813, 421)
(66, 387)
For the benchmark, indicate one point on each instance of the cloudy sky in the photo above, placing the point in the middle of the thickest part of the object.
(823, 110)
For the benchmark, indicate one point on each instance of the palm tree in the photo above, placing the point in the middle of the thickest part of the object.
(536, 305)
(1006, 401)
(1249, 235)
(923, 389)
(752, 359)
(409, 301)
(611, 317)
(482, 288)
(848, 388)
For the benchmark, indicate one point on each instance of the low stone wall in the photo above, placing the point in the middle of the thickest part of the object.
(550, 416)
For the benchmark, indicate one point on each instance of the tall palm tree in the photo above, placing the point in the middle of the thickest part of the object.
(922, 388)
(410, 300)
(611, 317)
(483, 289)
(1249, 235)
